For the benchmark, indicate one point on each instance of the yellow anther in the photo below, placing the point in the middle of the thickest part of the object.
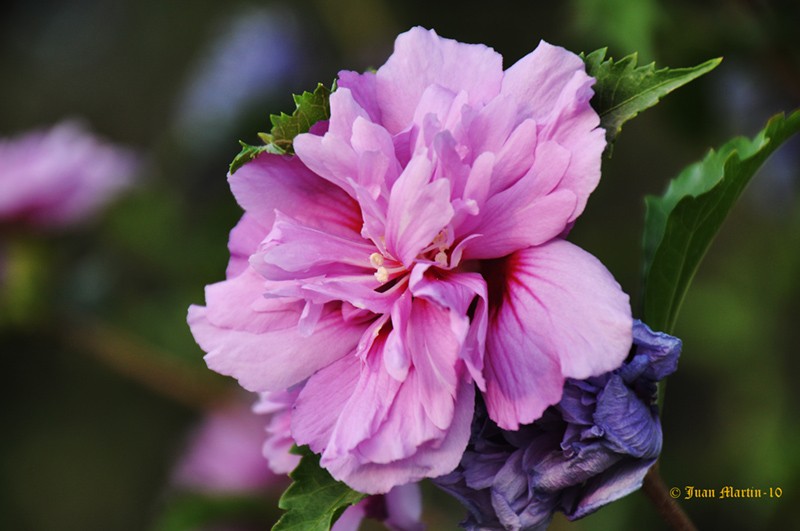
(382, 275)
(376, 259)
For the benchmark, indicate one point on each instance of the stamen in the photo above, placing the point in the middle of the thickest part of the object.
(440, 239)
(376, 259)
(382, 274)
(441, 258)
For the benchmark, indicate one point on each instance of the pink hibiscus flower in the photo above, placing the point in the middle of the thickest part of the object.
(60, 176)
(224, 454)
(413, 251)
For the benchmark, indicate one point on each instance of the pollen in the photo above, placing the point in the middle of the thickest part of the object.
(440, 240)
(376, 259)
(382, 274)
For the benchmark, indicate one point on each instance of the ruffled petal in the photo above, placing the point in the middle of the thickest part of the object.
(351, 518)
(608, 487)
(461, 293)
(243, 242)
(418, 210)
(406, 446)
(364, 91)
(629, 425)
(368, 405)
(306, 251)
(421, 58)
(278, 405)
(272, 182)
(512, 222)
(273, 358)
(537, 81)
(551, 86)
(321, 401)
(239, 303)
(530, 212)
(440, 456)
(435, 340)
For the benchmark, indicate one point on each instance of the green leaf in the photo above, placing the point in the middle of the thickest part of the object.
(623, 90)
(314, 501)
(310, 108)
(681, 224)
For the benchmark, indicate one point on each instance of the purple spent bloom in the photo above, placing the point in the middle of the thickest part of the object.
(412, 250)
(60, 176)
(595, 446)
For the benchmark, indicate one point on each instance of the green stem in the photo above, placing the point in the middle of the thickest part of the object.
(145, 364)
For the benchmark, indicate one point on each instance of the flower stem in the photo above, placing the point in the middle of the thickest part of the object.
(672, 513)
(143, 363)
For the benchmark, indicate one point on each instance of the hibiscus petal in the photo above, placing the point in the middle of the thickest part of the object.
(575, 127)
(363, 89)
(239, 303)
(421, 58)
(458, 292)
(279, 441)
(404, 505)
(537, 80)
(351, 518)
(396, 356)
(551, 85)
(560, 470)
(559, 313)
(418, 210)
(436, 458)
(629, 425)
(331, 157)
(368, 404)
(271, 182)
(435, 341)
(306, 251)
(608, 487)
(512, 220)
(273, 358)
(491, 126)
(321, 401)
(243, 242)
(378, 167)
(516, 157)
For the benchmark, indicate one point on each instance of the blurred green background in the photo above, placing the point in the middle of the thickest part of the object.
(102, 378)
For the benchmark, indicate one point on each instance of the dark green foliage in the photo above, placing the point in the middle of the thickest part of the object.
(681, 224)
(623, 90)
(311, 107)
(314, 501)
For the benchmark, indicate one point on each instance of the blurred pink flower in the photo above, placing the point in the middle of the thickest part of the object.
(60, 176)
(279, 438)
(400, 509)
(414, 249)
(224, 454)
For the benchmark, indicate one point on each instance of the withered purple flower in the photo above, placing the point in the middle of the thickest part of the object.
(595, 446)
